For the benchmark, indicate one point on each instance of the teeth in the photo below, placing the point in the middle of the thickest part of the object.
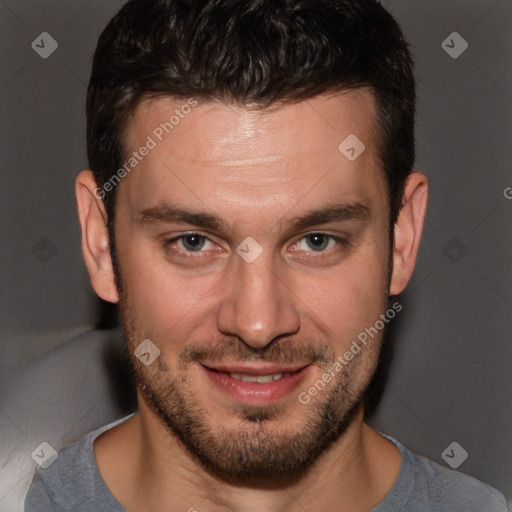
(255, 378)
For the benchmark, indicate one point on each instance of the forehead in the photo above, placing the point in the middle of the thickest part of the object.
(221, 127)
(223, 154)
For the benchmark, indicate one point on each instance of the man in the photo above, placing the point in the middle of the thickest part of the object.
(252, 208)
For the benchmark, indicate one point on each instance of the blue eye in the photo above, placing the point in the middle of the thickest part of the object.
(192, 242)
(317, 242)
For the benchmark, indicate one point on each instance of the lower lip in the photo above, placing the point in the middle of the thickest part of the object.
(256, 393)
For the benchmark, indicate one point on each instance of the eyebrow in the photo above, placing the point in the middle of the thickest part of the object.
(332, 213)
(167, 213)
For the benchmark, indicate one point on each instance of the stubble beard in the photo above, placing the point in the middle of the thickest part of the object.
(258, 451)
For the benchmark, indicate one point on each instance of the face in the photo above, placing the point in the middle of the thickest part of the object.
(252, 252)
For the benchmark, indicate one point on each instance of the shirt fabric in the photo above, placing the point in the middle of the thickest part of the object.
(73, 483)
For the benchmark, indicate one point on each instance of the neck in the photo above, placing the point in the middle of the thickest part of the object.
(146, 468)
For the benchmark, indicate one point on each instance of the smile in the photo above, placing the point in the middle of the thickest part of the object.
(253, 385)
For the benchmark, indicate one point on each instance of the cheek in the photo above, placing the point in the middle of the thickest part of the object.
(345, 302)
(159, 297)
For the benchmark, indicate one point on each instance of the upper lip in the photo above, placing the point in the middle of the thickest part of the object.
(253, 369)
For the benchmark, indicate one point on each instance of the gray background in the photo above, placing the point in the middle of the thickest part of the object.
(448, 378)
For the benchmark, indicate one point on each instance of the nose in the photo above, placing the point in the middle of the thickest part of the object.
(257, 306)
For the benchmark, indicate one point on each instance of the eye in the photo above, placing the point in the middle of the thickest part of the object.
(191, 242)
(317, 242)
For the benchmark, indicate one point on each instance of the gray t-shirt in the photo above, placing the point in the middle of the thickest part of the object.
(73, 483)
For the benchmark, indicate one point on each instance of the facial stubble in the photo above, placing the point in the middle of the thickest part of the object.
(259, 449)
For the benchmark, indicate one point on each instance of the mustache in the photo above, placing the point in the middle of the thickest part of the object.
(277, 352)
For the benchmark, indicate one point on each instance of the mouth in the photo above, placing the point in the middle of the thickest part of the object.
(252, 385)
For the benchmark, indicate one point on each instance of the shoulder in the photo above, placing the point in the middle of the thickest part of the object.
(72, 481)
(448, 486)
(426, 485)
(53, 488)
(447, 489)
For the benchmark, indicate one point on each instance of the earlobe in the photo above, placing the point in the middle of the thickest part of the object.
(407, 231)
(95, 242)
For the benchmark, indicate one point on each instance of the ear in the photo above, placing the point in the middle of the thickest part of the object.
(95, 244)
(407, 231)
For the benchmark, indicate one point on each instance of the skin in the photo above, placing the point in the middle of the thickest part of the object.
(258, 171)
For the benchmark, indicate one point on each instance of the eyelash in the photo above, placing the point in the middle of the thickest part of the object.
(340, 242)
